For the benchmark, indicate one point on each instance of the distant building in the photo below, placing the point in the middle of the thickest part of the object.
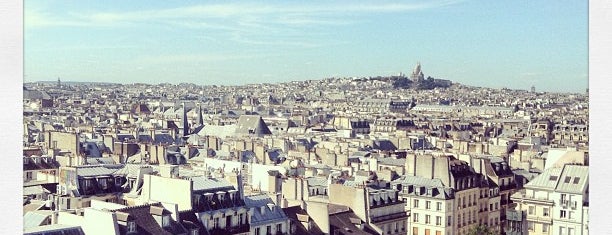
(417, 75)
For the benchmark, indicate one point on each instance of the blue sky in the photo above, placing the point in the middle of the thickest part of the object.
(512, 44)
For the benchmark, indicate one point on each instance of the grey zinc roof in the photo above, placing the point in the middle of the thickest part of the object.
(392, 161)
(262, 200)
(547, 180)
(97, 170)
(34, 190)
(218, 131)
(247, 123)
(317, 181)
(35, 218)
(257, 200)
(573, 179)
(204, 183)
(421, 181)
(54, 229)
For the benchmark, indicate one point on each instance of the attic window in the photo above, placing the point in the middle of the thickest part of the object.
(131, 227)
(553, 177)
(165, 221)
(576, 180)
(567, 179)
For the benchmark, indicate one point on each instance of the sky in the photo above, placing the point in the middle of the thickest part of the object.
(513, 44)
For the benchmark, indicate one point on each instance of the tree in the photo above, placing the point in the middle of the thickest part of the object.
(481, 230)
(402, 83)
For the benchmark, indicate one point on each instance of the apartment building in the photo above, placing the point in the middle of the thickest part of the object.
(380, 208)
(429, 203)
(555, 202)
(475, 199)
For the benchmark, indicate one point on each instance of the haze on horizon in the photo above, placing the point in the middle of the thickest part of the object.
(514, 44)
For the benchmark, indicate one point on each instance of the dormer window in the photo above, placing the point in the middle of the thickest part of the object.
(131, 227)
(194, 231)
(165, 220)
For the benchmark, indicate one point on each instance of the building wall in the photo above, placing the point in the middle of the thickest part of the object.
(566, 216)
(156, 188)
(100, 222)
(63, 141)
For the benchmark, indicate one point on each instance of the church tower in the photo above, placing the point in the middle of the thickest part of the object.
(417, 75)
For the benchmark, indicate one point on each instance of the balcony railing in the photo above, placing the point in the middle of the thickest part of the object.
(387, 204)
(539, 219)
(230, 230)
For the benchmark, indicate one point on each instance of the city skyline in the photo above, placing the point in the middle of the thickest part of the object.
(524, 44)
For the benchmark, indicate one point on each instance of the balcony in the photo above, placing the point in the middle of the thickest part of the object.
(378, 205)
(540, 219)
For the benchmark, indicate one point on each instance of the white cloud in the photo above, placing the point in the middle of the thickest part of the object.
(248, 23)
(306, 14)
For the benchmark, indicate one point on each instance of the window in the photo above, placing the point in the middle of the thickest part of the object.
(439, 206)
(416, 203)
(567, 179)
(561, 230)
(131, 227)
(449, 221)
(279, 228)
(438, 220)
(545, 212)
(576, 180)
(562, 214)
(428, 205)
(415, 217)
(216, 223)
(257, 231)
(570, 231)
(531, 210)
(269, 229)
(544, 227)
(166, 221)
(427, 219)
(571, 215)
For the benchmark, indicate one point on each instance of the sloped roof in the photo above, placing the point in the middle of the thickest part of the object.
(146, 224)
(203, 183)
(218, 131)
(547, 180)
(54, 229)
(262, 200)
(252, 124)
(573, 179)
(293, 213)
(35, 218)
